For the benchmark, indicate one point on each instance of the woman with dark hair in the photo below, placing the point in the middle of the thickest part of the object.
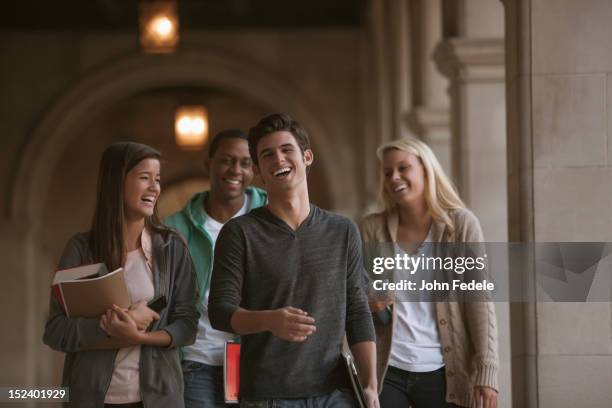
(430, 354)
(126, 232)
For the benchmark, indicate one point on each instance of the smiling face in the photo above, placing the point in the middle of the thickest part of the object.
(231, 170)
(282, 165)
(404, 177)
(141, 189)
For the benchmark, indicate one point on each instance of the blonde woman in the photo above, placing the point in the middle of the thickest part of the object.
(430, 354)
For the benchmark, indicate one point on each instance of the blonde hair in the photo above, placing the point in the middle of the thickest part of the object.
(440, 194)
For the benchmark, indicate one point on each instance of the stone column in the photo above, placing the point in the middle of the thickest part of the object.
(471, 56)
(387, 81)
(429, 118)
(475, 68)
(558, 80)
(26, 278)
(18, 307)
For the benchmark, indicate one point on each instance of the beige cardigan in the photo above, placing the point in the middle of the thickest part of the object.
(468, 331)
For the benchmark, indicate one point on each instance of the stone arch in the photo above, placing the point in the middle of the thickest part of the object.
(137, 73)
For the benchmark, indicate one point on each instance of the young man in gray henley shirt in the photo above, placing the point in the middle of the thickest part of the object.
(287, 277)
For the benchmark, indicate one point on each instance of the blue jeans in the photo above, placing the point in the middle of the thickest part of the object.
(416, 390)
(337, 399)
(203, 385)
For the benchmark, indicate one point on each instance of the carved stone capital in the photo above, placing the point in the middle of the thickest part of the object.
(471, 59)
(428, 121)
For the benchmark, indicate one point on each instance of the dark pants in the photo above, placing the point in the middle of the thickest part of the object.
(203, 385)
(403, 389)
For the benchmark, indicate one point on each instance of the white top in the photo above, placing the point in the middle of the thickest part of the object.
(416, 343)
(125, 383)
(209, 346)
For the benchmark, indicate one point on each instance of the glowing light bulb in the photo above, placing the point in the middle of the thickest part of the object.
(162, 26)
(197, 125)
(159, 26)
(191, 127)
(184, 125)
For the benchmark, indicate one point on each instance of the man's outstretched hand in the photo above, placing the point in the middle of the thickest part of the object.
(291, 324)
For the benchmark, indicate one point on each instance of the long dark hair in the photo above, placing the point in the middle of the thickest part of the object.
(106, 234)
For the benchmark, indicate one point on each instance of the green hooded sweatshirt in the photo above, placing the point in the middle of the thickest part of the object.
(190, 221)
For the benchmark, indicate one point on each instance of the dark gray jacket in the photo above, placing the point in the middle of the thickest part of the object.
(88, 373)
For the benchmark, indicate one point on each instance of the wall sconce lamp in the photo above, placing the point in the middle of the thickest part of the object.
(159, 26)
(191, 127)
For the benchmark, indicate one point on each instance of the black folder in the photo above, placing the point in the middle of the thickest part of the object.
(354, 377)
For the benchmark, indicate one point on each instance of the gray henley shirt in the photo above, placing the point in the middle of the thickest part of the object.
(261, 263)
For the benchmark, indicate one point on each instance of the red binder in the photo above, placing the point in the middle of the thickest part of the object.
(231, 372)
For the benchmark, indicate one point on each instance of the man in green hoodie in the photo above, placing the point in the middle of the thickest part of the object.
(231, 172)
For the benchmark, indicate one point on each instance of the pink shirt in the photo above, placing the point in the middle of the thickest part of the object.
(125, 384)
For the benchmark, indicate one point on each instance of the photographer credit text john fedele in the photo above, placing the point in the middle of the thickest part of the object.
(404, 263)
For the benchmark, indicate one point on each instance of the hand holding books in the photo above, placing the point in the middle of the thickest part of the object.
(142, 314)
(127, 324)
(364, 396)
(118, 323)
(91, 291)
